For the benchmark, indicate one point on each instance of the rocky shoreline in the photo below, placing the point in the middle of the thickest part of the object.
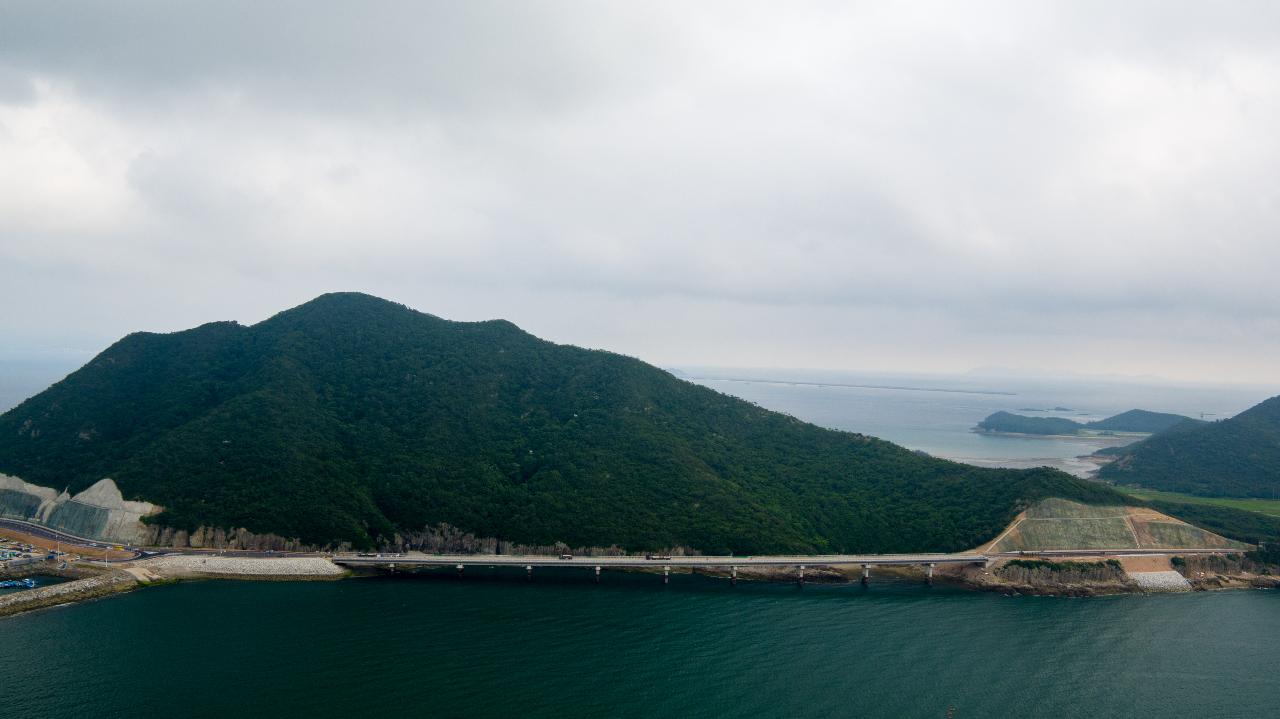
(186, 566)
(1013, 577)
(1044, 579)
(1232, 571)
(93, 581)
(89, 585)
(1075, 579)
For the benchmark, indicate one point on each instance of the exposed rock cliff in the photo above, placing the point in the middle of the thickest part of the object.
(99, 512)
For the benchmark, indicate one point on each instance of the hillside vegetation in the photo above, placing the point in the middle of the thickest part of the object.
(1141, 420)
(1135, 420)
(1021, 424)
(1270, 507)
(351, 418)
(1237, 457)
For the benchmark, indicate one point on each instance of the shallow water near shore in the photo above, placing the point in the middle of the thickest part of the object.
(492, 645)
(41, 580)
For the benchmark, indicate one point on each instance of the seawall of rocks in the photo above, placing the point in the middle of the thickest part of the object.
(194, 566)
(79, 590)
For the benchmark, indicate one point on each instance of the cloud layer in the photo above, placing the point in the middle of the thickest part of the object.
(919, 187)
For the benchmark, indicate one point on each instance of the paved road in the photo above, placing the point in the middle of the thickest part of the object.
(518, 560)
(39, 530)
(91, 545)
(80, 545)
(466, 560)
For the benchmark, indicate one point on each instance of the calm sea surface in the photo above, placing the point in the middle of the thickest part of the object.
(936, 414)
(493, 646)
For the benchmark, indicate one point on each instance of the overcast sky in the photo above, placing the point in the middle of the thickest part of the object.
(918, 186)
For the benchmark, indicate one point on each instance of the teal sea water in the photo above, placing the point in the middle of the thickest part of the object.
(491, 645)
(936, 413)
(41, 581)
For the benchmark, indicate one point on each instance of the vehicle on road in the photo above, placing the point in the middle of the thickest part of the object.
(566, 556)
(658, 556)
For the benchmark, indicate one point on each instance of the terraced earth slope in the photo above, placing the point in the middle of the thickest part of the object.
(1058, 524)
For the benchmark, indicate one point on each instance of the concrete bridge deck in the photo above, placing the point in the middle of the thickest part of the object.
(806, 560)
(665, 563)
(866, 561)
(519, 560)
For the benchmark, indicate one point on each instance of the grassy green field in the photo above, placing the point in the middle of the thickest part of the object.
(1269, 507)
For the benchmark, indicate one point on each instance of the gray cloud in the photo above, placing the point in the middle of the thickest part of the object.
(921, 186)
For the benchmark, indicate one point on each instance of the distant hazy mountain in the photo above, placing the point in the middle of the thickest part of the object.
(1135, 420)
(1237, 457)
(351, 418)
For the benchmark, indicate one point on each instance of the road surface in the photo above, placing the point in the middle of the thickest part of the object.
(530, 560)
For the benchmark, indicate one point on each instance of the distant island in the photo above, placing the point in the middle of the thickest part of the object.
(1236, 457)
(1135, 421)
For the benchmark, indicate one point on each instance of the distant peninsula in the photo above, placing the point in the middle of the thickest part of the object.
(1236, 457)
(1135, 421)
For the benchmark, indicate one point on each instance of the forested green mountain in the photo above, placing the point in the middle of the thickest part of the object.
(350, 417)
(1237, 457)
(1135, 420)
(1140, 420)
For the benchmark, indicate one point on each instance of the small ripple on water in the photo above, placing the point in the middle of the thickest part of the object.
(495, 646)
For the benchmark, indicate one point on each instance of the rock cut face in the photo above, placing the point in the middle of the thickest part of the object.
(100, 512)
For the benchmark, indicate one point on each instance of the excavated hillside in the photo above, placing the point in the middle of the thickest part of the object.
(1057, 524)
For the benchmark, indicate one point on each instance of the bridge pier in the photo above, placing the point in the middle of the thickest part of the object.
(597, 574)
(666, 574)
(733, 576)
(528, 572)
(928, 574)
(866, 574)
(800, 579)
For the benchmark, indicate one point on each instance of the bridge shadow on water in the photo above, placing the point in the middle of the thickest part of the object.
(583, 579)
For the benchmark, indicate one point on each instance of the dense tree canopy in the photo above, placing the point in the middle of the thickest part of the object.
(1135, 420)
(1237, 457)
(1141, 420)
(350, 417)
(1021, 424)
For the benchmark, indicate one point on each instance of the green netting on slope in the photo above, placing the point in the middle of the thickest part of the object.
(1040, 534)
(79, 519)
(18, 505)
(1175, 535)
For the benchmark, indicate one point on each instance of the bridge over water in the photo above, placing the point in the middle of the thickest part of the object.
(665, 563)
(461, 561)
